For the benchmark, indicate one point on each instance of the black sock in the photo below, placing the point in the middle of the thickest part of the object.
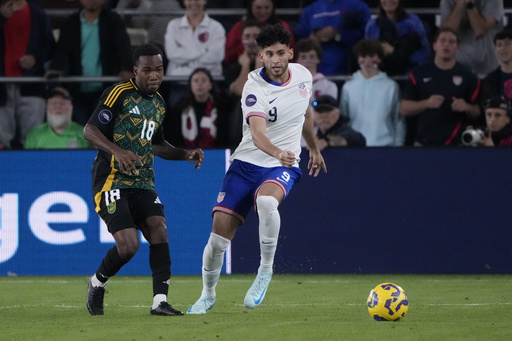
(110, 265)
(160, 264)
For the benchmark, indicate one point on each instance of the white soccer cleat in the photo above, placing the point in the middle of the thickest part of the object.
(203, 304)
(257, 292)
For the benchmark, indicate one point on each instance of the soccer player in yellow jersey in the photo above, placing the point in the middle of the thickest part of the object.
(126, 128)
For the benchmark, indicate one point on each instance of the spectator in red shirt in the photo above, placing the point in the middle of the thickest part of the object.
(27, 45)
(260, 10)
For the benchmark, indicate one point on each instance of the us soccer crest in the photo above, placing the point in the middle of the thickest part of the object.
(457, 80)
(221, 197)
(302, 90)
(203, 37)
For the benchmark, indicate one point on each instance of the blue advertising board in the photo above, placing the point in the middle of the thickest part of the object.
(48, 225)
(394, 210)
(378, 210)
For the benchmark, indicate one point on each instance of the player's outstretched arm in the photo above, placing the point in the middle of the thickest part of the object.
(167, 151)
(127, 160)
(316, 160)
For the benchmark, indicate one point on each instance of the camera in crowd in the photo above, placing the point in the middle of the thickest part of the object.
(470, 137)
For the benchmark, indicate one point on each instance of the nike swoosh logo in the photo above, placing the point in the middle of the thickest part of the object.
(257, 301)
(270, 102)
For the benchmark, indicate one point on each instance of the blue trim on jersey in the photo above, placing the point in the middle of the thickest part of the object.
(268, 80)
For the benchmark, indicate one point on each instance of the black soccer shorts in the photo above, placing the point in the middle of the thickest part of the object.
(128, 208)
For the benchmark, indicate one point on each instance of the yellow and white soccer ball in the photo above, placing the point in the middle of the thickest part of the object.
(387, 302)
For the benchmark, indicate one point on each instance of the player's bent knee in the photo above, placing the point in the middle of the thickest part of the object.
(128, 249)
(218, 243)
(266, 204)
(155, 230)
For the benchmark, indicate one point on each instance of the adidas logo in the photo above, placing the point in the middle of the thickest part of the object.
(157, 201)
(135, 111)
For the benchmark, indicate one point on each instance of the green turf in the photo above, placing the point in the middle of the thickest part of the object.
(297, 307)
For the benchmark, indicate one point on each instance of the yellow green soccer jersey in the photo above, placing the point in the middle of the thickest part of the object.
(133, 121)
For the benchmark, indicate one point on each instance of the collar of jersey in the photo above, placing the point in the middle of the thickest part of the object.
(268, 80)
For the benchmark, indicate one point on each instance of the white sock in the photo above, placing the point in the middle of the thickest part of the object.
(269, 225)
(213, 258)
(157, 299)
(96, 282)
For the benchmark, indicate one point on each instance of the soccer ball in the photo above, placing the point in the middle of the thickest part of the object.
(387, 302)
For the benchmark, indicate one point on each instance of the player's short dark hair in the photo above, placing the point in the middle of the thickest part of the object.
(306, 45)
(368, 48)
(503, 34)
(146, 50)
(273, 34)
(444, 29)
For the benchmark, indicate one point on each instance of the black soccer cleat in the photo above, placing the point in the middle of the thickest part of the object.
(165, 309)
(95, 299)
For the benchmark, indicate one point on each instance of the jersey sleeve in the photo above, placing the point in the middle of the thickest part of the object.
(254, 101)
(103, 116)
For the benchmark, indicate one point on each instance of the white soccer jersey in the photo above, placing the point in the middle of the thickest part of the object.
(284, 107)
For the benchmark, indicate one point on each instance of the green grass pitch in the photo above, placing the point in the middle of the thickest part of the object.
(297, 307)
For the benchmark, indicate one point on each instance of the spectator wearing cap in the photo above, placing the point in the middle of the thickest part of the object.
(371, 100)
(499, 81)
(498, 130)
(332, 127)
(59, 131)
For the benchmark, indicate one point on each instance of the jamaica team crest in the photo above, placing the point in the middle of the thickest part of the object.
(111, 208)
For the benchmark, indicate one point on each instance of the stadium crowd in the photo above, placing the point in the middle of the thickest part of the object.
(447, 58)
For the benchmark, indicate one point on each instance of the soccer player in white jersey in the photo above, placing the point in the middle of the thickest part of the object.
(265, 166)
